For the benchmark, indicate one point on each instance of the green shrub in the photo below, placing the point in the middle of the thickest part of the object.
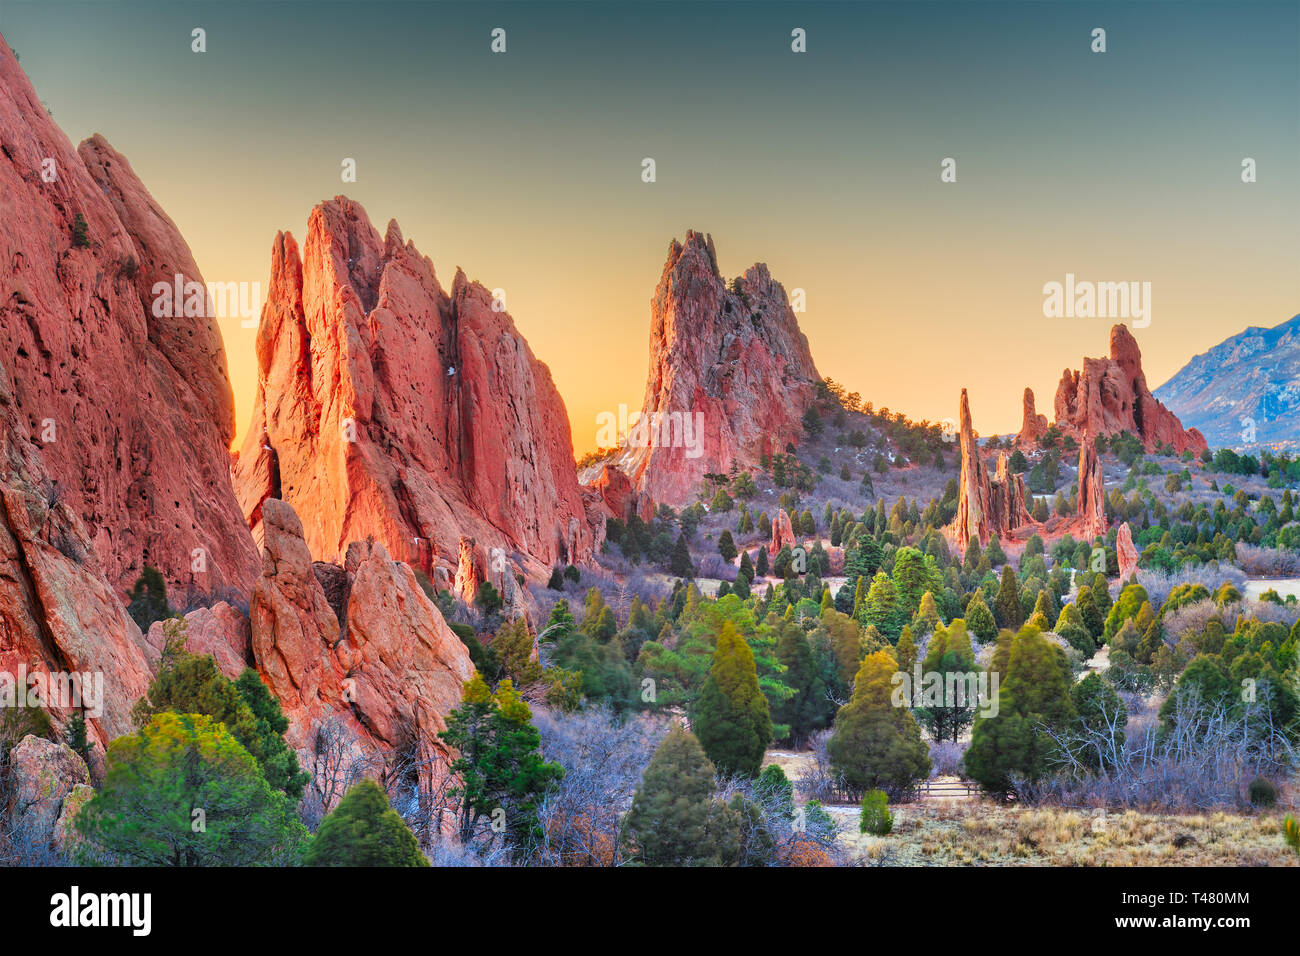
(1263, 792)
(876, 818)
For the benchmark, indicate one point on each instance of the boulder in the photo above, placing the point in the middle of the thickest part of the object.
(42, 774)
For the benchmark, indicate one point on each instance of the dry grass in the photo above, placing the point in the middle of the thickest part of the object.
(957, 833)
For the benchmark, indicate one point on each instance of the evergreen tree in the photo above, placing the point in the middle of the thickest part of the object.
(181, 791)
(805, 710)
(1035, 691)
(364, 831)
(1099, 708)
(681, 565)
(747, 567)
(732, 719)
(876, 745)
(672, 812)
(149, 599)
(727, 546)
(499, 763)
(192, 684)
(1007, 605)
(881, 608)
(761, 566)
(979, 619)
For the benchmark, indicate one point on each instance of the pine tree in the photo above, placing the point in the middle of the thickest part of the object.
(670, 820)
(876, 745)
(805, 710)
(681, 565)
(727, 546)
(499, 763)
(906, 651)
(732, 720)
(1034, 692)
(364, 831)
(1007, 605)
(746, 567)
(979, 619)
(927, 617)
(761, 566)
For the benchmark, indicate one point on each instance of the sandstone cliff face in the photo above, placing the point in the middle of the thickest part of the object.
(1110, 395)
(985, 507)
(132, 413)
(383, 681)
(58, 612)
(388, 408)
(734, 362)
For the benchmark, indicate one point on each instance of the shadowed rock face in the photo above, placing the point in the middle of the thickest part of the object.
(1110, 395)
(985, 507)
(388, 408)
(734, 362)
(132, 412)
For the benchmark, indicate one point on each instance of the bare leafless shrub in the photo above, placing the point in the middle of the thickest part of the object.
(1158, 584)
(1202, 761)
(603, 758)
(946, 758)
(815, 780)
(1268, 562)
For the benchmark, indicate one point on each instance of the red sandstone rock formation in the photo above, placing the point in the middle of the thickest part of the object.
(1033, 425)
(385, 681)
(1092, 491)
(619, 499)
(1110, 395)
(730, 367)
(985, 507)
(782, 533)
(220, 630)
(388, 408)
(132, 412)
(58, 613)
(1126, 552)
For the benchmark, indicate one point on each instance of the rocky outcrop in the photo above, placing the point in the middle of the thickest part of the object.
(619, 498)
(471, 570)
(385, 681)
(42, 774)
(985, 507)
(730, 375)
(58, 613)
(1126, 552)
(1033, 425)
(126, 399)
(390, 409)
(1092, 493)
(782, 533)
(1110, 395)
(221, 631)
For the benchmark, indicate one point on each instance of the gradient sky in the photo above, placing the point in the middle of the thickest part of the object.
(524, 168)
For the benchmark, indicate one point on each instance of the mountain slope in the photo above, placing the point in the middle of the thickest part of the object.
(1254, 375)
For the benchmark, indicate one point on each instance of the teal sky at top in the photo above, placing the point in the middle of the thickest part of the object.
(524, 168)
